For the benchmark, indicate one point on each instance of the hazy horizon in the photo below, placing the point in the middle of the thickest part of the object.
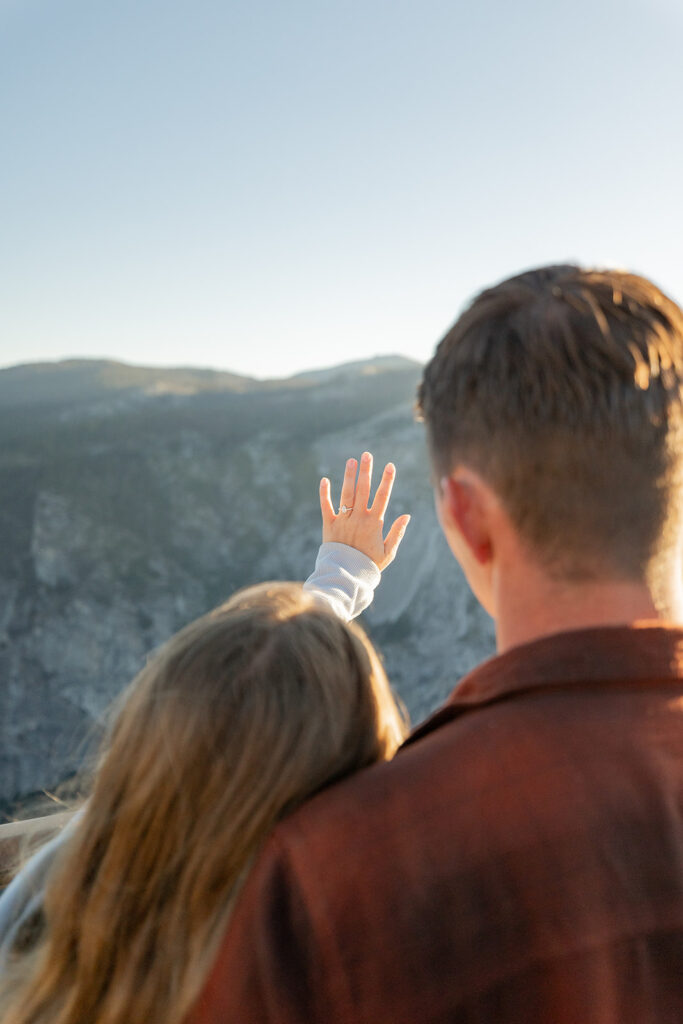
(200, 368)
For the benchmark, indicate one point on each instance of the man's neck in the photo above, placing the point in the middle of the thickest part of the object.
(530, 606)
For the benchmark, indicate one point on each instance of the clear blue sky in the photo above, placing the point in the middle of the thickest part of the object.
(270, 186)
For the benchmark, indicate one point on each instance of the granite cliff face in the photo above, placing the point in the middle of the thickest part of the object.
(133, 500)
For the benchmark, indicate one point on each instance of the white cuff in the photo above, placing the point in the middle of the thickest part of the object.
(344, 578)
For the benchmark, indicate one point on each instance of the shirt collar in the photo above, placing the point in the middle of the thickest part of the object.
(637, 654)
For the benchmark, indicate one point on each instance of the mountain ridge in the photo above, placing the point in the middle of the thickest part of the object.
(35, 379)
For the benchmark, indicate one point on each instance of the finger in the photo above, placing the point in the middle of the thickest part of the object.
(364, 480)
(394, 538)
(326, 506)
(349, 484)
(379, 505)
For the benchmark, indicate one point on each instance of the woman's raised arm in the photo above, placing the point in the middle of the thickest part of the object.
(354, 550)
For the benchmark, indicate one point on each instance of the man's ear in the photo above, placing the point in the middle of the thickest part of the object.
(464, 498)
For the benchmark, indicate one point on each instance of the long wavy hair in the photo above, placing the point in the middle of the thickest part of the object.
(232, 724)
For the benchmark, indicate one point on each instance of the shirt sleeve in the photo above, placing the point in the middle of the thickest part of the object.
(344, 579)
(24, 895)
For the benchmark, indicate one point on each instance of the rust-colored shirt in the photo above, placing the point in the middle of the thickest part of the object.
(521, 860)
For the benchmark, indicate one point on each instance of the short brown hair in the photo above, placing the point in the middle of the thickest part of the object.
(563, 388)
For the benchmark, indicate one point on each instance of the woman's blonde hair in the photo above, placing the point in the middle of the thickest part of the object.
(233, 723)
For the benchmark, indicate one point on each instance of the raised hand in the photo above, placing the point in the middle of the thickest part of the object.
(359, 523)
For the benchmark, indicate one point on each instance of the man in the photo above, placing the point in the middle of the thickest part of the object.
(521, 860)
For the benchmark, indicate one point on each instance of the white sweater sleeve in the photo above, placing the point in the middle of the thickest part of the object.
(24, 895)
(344, 579)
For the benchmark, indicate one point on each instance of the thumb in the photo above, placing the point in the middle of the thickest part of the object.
(394, 538)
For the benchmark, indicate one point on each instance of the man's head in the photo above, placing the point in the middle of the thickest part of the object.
(562, 389)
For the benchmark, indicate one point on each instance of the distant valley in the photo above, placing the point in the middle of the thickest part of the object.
(135, 499)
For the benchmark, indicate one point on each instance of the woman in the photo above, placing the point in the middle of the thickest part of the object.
(232, 724)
